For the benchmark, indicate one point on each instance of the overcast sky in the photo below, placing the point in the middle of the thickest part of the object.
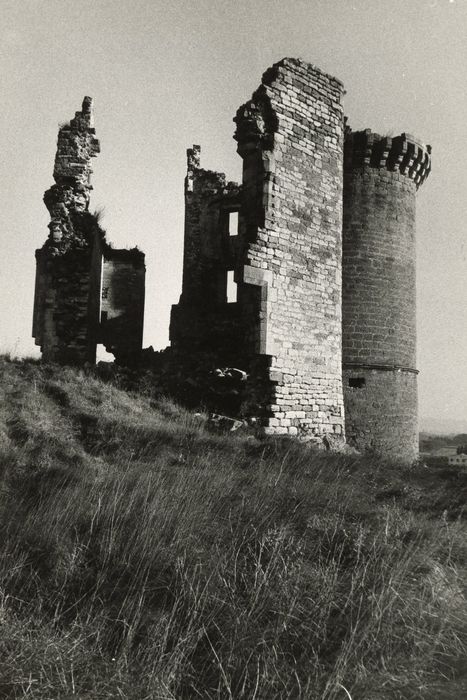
(165, 75)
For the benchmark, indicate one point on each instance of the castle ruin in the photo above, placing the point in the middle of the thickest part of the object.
(319, 239)
(87, 293)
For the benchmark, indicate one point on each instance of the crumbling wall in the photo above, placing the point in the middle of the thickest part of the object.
(67, 303)
(203, 323)
(290, 136)
(63, 277)
(70, 194)
(381, 176)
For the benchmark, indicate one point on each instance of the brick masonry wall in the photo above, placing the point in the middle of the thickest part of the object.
(208, 196)
(290, 136)
(63, 315)
(76, 146)
(381, 176)
(378, 301)
(381, 415)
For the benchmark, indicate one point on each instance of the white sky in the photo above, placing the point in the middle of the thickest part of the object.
(165, 75)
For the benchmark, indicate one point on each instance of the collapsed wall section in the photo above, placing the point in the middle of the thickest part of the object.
(381, 176)
(204, 325)
(290, 137)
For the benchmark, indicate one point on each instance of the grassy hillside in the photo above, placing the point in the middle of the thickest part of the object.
(142, 556)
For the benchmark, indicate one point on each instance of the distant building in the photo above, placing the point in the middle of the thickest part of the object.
(459, 460)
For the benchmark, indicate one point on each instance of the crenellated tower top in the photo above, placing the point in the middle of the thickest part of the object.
(401, 153)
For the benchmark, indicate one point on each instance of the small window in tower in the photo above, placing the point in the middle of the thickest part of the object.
(233, 223)
(231, 287)
(105, 292)
(357, 382)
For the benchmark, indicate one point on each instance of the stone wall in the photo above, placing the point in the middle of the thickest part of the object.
(318, 321)
(63, 277)
(381, 412)
(381, 176)
(292, 315)
(69, 266)
(290, 136)
(203, 321)
(76, 145)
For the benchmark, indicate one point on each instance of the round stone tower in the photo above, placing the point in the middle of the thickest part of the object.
(381, 177)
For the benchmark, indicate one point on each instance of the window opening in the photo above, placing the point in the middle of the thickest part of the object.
(102, 355)
(232, 287)
(233, 223)
(357, 382)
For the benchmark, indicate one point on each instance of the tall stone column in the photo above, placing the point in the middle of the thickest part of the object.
(290, 137)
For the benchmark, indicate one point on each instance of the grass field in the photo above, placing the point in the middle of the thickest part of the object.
(143, 556)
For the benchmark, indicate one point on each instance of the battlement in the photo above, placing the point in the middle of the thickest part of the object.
(401, 153)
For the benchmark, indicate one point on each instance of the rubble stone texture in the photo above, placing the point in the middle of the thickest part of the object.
(78, 273)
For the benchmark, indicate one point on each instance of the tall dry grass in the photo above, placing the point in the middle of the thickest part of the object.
(142, 556)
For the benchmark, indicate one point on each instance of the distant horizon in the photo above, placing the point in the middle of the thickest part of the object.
(445, 427)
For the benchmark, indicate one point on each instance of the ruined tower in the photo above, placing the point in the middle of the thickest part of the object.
(290, 137)
(204, 325)
(318, 242)
(381, 177)
(284, 328)
(86, 292)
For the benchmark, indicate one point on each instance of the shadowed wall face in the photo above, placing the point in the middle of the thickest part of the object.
(70, 264)
(290, 136)
(122, 302)
(64, 279)
(381, 177)
(204, 323)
